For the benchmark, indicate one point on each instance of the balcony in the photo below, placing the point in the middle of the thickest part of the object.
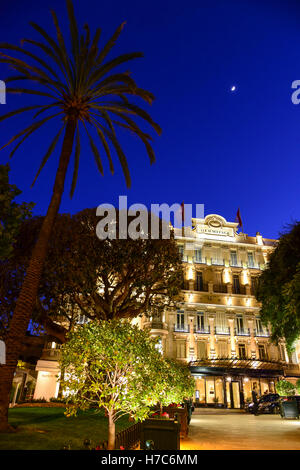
(217, 262)
(220, 288)
(182, 328)
(205, 330)
(253, 265)
(199, 260)
(239, 290)
(241, 332)
(262, 333)
(156, 325)
(222, 330)
(236, 264)
(201, 287)
(51, 354)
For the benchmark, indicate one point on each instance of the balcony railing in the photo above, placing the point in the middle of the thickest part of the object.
(199, 260)
(242, 332)
(52, 354)
(236, 264)
(182, 328)
(217, 261)
(202, 330)
(220, 288)
(253, 265)
(239, 290)
(201, 287)
(222, 330)
(263, 333)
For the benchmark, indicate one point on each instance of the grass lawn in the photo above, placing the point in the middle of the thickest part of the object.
(49, 429)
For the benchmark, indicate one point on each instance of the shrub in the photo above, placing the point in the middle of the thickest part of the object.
(284, 387)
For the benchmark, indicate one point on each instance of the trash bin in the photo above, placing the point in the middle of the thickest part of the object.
(289, 409)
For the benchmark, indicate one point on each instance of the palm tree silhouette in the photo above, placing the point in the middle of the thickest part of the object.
(87, 94)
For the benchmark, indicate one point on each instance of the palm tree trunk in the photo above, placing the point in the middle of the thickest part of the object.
(111, 431)
(27, 298)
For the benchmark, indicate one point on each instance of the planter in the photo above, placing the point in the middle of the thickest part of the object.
(182, 417)
(165, 434)
(289, 409)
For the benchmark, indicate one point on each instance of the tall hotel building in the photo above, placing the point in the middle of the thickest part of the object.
(217, 328)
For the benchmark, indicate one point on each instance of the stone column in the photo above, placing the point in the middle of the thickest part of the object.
(192, 350)
(253, 345)
(232, 336)
(212, 339)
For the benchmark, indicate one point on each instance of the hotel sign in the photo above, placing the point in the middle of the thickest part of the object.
(215, 231)
(215, 226)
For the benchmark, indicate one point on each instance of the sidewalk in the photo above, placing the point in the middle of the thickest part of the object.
(216, 429)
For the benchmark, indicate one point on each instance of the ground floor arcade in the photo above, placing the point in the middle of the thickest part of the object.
(231, 387)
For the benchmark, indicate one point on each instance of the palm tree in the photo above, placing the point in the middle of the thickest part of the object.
(84, 93)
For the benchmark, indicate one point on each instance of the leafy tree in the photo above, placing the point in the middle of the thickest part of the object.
(284, 388)
(12, 214)
(279, 288)
(103, 279)
(116, 366)
(51, 303)
(121, 278)
(181, 385)
(83, 92)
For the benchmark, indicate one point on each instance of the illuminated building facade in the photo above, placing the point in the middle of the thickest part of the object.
(217, 328)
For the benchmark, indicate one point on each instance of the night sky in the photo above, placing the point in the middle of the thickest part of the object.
(220, 148)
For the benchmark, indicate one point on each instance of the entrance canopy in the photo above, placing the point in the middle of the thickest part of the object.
(225, 366)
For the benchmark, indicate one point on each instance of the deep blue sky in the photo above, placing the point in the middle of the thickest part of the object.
(223, 149)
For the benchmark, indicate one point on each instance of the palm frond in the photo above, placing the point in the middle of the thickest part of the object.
(120, 153)
(35, 126)
(110, 44)
(23, 67)
(95, 151)
(99, 73)
(19, 111)
(48, 154)
(53, 45)
(105, 146)
(29, 92)
(73, 30)
(63, 50)
(5, 45)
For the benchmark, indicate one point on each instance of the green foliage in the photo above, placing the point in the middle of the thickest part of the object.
(279, 288)
(116, 366)
(139, 275)
(12, 214)
(284, 388)
(298, 387)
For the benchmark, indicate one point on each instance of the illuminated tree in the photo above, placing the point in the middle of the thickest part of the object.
(116, 366)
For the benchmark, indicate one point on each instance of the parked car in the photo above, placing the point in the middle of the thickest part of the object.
(269, 403)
